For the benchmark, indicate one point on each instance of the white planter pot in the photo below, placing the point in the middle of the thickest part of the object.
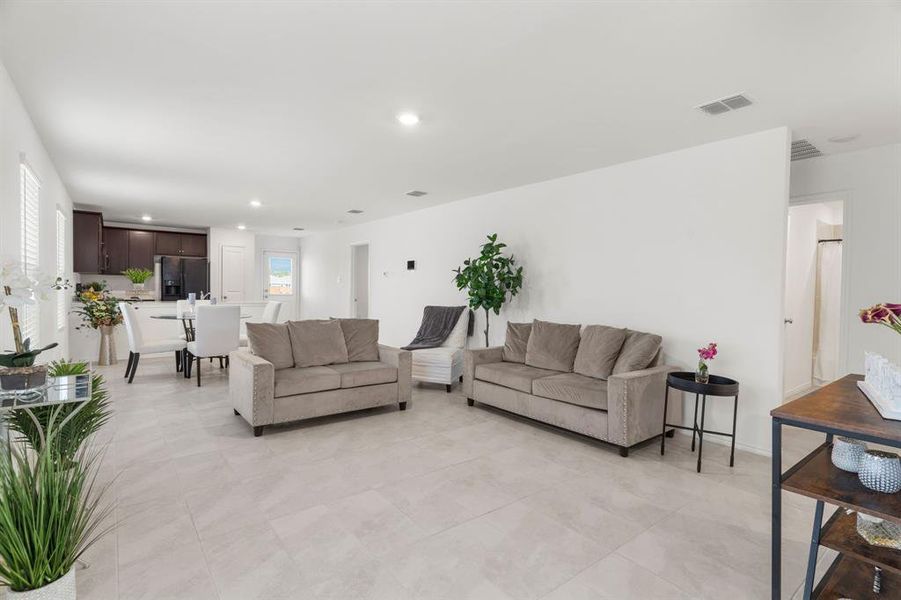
(61, 589)
(137, 286)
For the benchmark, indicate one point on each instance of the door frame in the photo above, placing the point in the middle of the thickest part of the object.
(844, 326)
(353, 279)
(295, 278)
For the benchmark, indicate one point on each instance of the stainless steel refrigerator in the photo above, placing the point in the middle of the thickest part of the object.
(182, 276)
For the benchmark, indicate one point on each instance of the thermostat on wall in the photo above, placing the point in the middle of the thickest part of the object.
(411, 264)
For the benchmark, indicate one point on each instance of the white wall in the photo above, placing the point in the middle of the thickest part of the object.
(800, 289)
(18, 138)
(690, 245)
(871, 182)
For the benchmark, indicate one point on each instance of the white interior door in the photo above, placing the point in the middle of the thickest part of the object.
(360, 281)
(279, 271)
(232, 274)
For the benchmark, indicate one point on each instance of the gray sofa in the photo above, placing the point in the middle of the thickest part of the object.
(599, 381)
(305, 369)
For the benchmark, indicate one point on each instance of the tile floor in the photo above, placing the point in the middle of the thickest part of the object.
(440, 501)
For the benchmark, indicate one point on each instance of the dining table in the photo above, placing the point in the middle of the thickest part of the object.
(187, 321)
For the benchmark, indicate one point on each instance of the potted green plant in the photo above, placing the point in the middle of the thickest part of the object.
(99, 310)
(51, 512)
(138, 277)
(19, 289)
(489, 279)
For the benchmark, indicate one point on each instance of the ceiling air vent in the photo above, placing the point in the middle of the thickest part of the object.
(355, 211)
(298, 229)
(802, 149)
(416, 193)
(724, 105)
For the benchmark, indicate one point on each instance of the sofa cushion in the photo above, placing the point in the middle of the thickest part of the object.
(552, 346)
(573, 389)
(516, 342)
(511, 375)
(358, 374)
(598, 350)
(270, 341)
(317, 342)
(638, 351)
(304, 380)
(361, 336)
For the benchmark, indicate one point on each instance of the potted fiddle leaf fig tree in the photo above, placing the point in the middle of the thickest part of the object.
(489, 279)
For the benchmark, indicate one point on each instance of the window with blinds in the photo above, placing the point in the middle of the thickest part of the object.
(30, 190)
(60, 268)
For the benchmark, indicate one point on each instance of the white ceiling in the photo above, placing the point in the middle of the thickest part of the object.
(187, 110)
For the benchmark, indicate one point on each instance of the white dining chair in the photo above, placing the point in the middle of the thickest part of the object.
(216, 330)
(137, 345)
(270, 315)
(182, 307)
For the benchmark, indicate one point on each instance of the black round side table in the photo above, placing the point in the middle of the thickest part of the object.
(715, 386)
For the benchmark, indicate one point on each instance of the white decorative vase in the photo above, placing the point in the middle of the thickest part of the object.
(137, 286)
(61, 589)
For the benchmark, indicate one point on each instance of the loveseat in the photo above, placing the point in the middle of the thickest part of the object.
(602, 382)
(312, 368)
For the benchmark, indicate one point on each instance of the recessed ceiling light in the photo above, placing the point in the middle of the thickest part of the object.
(242, 227)
(355, 211)
(416, 193)
(407, 118)
(298, 229)
(146, 218)
(843, 139)
(256, 203)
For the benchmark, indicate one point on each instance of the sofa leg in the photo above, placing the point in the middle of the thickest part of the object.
(623, 451)
(670, 433)
(461, 379)
(237, 414)
(257, 430)
(403, 405)
(447, 387)
(470, 401)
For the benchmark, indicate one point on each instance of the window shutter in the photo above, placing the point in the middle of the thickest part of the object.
(29, 234)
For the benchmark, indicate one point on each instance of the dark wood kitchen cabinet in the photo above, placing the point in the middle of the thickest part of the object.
(115, 250)
(87, 240)
(168, 243)
(180, 244)
(193, 244)
(140, 249)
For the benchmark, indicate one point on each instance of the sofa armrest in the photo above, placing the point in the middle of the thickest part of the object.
(251, 385)
(473, 358)
(402, 360)
(635, 405)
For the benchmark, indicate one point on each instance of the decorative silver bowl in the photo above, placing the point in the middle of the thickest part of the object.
(847, 453)
(880, 471)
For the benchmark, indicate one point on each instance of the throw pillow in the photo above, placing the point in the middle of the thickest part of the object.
(316, 343)
(638, 351)
(271, 342)
(361, 336)
(552, 346)
(516, 342)
(598, 350)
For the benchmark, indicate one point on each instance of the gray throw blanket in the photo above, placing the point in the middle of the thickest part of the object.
(437, 324)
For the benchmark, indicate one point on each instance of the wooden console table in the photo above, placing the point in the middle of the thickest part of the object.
(839, 408)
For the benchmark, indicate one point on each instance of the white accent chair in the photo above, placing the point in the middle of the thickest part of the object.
(216, 329)
(137, 345)
(445, 363)
(270, 315)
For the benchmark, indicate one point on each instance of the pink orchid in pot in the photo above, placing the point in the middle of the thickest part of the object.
(705, 355)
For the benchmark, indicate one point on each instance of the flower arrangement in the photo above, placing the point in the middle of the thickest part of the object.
(98, 309)
(19, 290)
(705, 354)
(887, 314)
